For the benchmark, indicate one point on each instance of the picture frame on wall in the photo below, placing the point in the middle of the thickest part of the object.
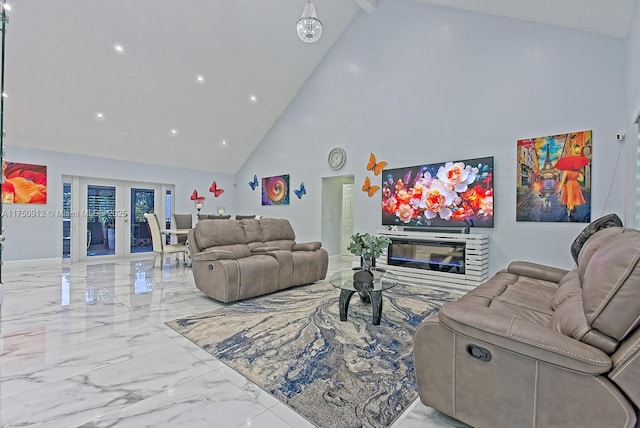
(24, 183)
(554, 178)
(275, 190)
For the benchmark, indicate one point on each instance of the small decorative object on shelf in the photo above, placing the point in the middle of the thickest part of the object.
(368, 247)
(197, 200)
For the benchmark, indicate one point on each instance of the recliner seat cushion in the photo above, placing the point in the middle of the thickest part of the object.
(520, 296)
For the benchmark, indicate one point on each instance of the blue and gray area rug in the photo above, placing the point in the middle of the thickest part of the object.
(335, 374)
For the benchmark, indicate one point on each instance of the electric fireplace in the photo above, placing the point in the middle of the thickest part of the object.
(447, 261)
(439, 256)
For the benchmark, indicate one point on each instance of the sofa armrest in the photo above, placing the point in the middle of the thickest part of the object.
(537, 271)
(307, 246)
(265, 249)
(523, 337)
(212, 254)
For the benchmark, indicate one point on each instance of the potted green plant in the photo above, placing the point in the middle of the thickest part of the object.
(108, 230)
(368, 247)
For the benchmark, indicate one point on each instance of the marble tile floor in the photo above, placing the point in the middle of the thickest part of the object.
(85, 345)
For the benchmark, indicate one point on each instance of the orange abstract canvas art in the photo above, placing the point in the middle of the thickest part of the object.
(24, 183)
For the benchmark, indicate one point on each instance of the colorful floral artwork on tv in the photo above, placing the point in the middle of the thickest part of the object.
(275, 190)
(456, 193)
(554, 178)
(24, 183)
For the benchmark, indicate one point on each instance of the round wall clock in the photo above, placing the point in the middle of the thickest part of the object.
(337, 158)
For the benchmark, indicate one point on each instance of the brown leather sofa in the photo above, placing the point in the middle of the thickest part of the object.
(237, 259)
(537, 346)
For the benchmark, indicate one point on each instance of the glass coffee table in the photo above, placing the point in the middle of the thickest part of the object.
(368, 284)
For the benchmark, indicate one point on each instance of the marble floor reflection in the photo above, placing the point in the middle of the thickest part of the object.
(85, 345)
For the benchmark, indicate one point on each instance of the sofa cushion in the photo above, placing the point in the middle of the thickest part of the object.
(307, 246)
(611, 284)
(252, 231)
(276, 229)
(610, 220)
(221, 252)
(211, 233)
(520, 296)
(592, 245)
(569, 286)
(270, 232)
(569, 319)
(283, 244)
(510, 332)
(599, 303)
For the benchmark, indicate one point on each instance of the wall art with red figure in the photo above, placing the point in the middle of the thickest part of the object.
(24, 183)
(554, 178)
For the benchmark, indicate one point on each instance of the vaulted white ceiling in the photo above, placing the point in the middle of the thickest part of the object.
(610, 17)
(63, 70)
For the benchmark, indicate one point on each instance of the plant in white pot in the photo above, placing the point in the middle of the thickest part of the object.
(108, 229)
(368, 247)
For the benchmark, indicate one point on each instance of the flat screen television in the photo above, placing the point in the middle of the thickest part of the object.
(456, 193)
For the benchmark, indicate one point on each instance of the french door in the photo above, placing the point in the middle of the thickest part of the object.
(105, 218)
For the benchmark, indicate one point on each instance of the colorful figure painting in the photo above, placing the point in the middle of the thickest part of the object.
(554, 178)
(24, 183)
(275, 190)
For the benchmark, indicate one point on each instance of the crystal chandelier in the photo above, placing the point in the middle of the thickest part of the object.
(309, 27)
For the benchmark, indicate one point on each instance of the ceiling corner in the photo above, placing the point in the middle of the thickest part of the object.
(367, 5)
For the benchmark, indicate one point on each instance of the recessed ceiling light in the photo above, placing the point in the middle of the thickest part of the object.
(253, 98)
(118, 48)
(6, 7)
(174, 131)
(200, 78)
(224, 143)
(99, 116)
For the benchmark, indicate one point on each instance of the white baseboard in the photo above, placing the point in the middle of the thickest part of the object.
(32, 263)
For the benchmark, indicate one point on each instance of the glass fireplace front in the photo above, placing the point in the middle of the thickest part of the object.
(439, 256)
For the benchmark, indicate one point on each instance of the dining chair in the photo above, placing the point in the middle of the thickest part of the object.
(182, 221)
(159, 247)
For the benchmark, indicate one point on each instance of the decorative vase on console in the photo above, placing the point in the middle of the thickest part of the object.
(367, 263)
(369, 248)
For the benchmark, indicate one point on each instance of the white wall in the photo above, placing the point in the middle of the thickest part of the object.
(416, 83)
(30, 238)
(632, 108)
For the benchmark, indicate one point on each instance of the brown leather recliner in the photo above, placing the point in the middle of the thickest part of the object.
(537, 346)
(237, 259)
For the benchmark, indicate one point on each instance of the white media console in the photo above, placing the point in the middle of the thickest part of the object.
(470, 254)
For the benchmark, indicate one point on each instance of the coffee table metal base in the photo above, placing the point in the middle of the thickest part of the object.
(376, 304)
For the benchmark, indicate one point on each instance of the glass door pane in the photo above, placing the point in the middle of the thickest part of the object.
(142, 202)
(167, 213)
(66, 220)
(101, 208)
